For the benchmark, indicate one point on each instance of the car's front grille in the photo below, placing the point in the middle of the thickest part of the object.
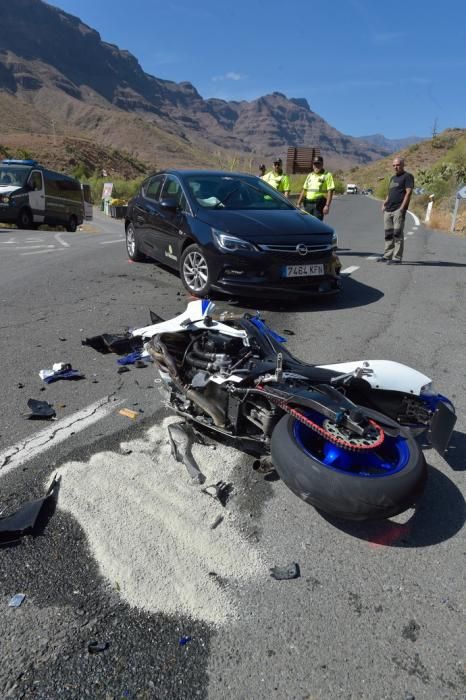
(301, 249)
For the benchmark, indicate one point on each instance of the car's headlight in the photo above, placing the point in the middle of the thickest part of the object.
(230, 244)
(4, 199)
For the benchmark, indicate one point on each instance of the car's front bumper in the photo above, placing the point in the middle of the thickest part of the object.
(264, 276)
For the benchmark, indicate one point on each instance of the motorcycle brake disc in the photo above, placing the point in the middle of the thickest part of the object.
(354, 440)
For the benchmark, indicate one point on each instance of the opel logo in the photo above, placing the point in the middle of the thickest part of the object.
(301, 249)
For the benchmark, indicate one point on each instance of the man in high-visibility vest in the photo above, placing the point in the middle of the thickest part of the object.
(277, 178)
(317, 190)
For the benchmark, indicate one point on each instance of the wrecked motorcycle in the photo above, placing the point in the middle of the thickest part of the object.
(340, 436)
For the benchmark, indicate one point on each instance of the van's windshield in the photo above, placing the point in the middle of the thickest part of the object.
(15, 175)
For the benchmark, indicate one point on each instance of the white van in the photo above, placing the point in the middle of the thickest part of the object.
(351, 189)
(31, 195)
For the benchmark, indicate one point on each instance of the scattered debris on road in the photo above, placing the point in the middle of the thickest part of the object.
(17, 600)
(40, 410)
(128, 413)
(24, 520)
(221, 491)
(96, 647)
(60, 370)
(284, 573)
(181, 441)
(216, 522)
(184, 640)
(119, 344)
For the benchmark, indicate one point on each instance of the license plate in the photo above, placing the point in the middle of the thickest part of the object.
(303, 270)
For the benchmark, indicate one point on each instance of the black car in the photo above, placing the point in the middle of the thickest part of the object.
(231, 232)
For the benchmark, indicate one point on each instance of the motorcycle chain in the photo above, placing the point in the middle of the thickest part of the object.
(347, 445)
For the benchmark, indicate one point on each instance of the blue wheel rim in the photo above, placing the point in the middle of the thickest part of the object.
(391, 457)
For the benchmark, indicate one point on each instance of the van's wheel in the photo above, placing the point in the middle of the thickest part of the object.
(72, 224)
(194, 271)
(25, 219)
(132, 247)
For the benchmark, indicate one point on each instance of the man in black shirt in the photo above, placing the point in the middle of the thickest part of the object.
(394, 210)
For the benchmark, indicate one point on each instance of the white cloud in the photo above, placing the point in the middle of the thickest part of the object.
(231, 75)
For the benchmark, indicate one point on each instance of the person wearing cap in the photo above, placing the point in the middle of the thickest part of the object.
(318, 189)
(277, 179)
(262, 170)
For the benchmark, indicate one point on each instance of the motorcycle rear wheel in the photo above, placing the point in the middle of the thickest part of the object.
(362, 485)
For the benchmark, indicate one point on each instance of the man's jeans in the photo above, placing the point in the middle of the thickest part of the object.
(393, 222)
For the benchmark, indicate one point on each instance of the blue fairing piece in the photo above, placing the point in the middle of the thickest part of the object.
(432, 401)
(266, 330)
(133, 357)
(64, 374)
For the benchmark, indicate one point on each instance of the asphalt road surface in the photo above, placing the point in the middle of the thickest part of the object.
(377, 613)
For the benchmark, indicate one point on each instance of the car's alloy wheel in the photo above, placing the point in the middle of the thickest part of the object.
(195, 271)
(131, 244)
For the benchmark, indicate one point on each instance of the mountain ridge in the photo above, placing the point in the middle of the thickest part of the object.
(78, 85)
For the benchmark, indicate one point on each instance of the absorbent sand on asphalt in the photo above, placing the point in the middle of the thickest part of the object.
(149, 527)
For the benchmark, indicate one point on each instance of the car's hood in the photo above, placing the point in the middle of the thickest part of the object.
(8, 189)
(262, 226)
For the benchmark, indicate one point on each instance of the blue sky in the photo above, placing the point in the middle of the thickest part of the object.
(365, 66)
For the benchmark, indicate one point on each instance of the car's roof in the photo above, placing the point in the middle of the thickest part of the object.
(193, 172)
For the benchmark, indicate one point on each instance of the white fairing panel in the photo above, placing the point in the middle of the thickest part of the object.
(385, 374)
(192, 318)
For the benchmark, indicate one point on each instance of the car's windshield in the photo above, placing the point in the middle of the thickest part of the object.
(13, 175)
(234, 192)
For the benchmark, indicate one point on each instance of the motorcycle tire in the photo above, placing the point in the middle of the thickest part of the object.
(362, 485)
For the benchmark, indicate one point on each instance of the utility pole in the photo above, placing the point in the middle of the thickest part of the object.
(434, 128)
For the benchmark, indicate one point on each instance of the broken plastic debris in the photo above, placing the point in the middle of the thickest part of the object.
(221, 491)
(128, 413)
(122, 369)
(119, 344)
(140, 364)
(26, 518)
(282, 573)
(286, 331)
(181, 439)
(185, 639)
(96, 647)
(16, 601)
(60, 370)
(134, 357)
(41, 409)
(216, 522)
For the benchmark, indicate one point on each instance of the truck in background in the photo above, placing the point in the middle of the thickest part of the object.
(351, 188)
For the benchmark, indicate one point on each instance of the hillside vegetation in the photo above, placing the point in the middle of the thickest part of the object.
(439, 168)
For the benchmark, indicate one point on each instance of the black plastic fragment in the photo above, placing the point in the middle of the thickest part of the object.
(287, 331)
(283, 573)
(155, 318)
(123, 368)
(181, 439)
(140, 364)
(96, 647)
(25, 520)
(221, 491)
(41, 410)
(119, 344)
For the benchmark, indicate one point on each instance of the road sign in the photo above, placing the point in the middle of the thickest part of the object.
(462, 193)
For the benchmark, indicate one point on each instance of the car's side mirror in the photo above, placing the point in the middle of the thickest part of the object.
(169, 203)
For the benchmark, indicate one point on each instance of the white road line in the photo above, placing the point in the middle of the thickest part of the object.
(61, 241)
(349, 270)
(38, 252)
(416, 220)
(58, 431)
(116, 240)
(30, 247)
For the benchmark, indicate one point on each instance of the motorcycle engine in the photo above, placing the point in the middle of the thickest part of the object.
(212, 352)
